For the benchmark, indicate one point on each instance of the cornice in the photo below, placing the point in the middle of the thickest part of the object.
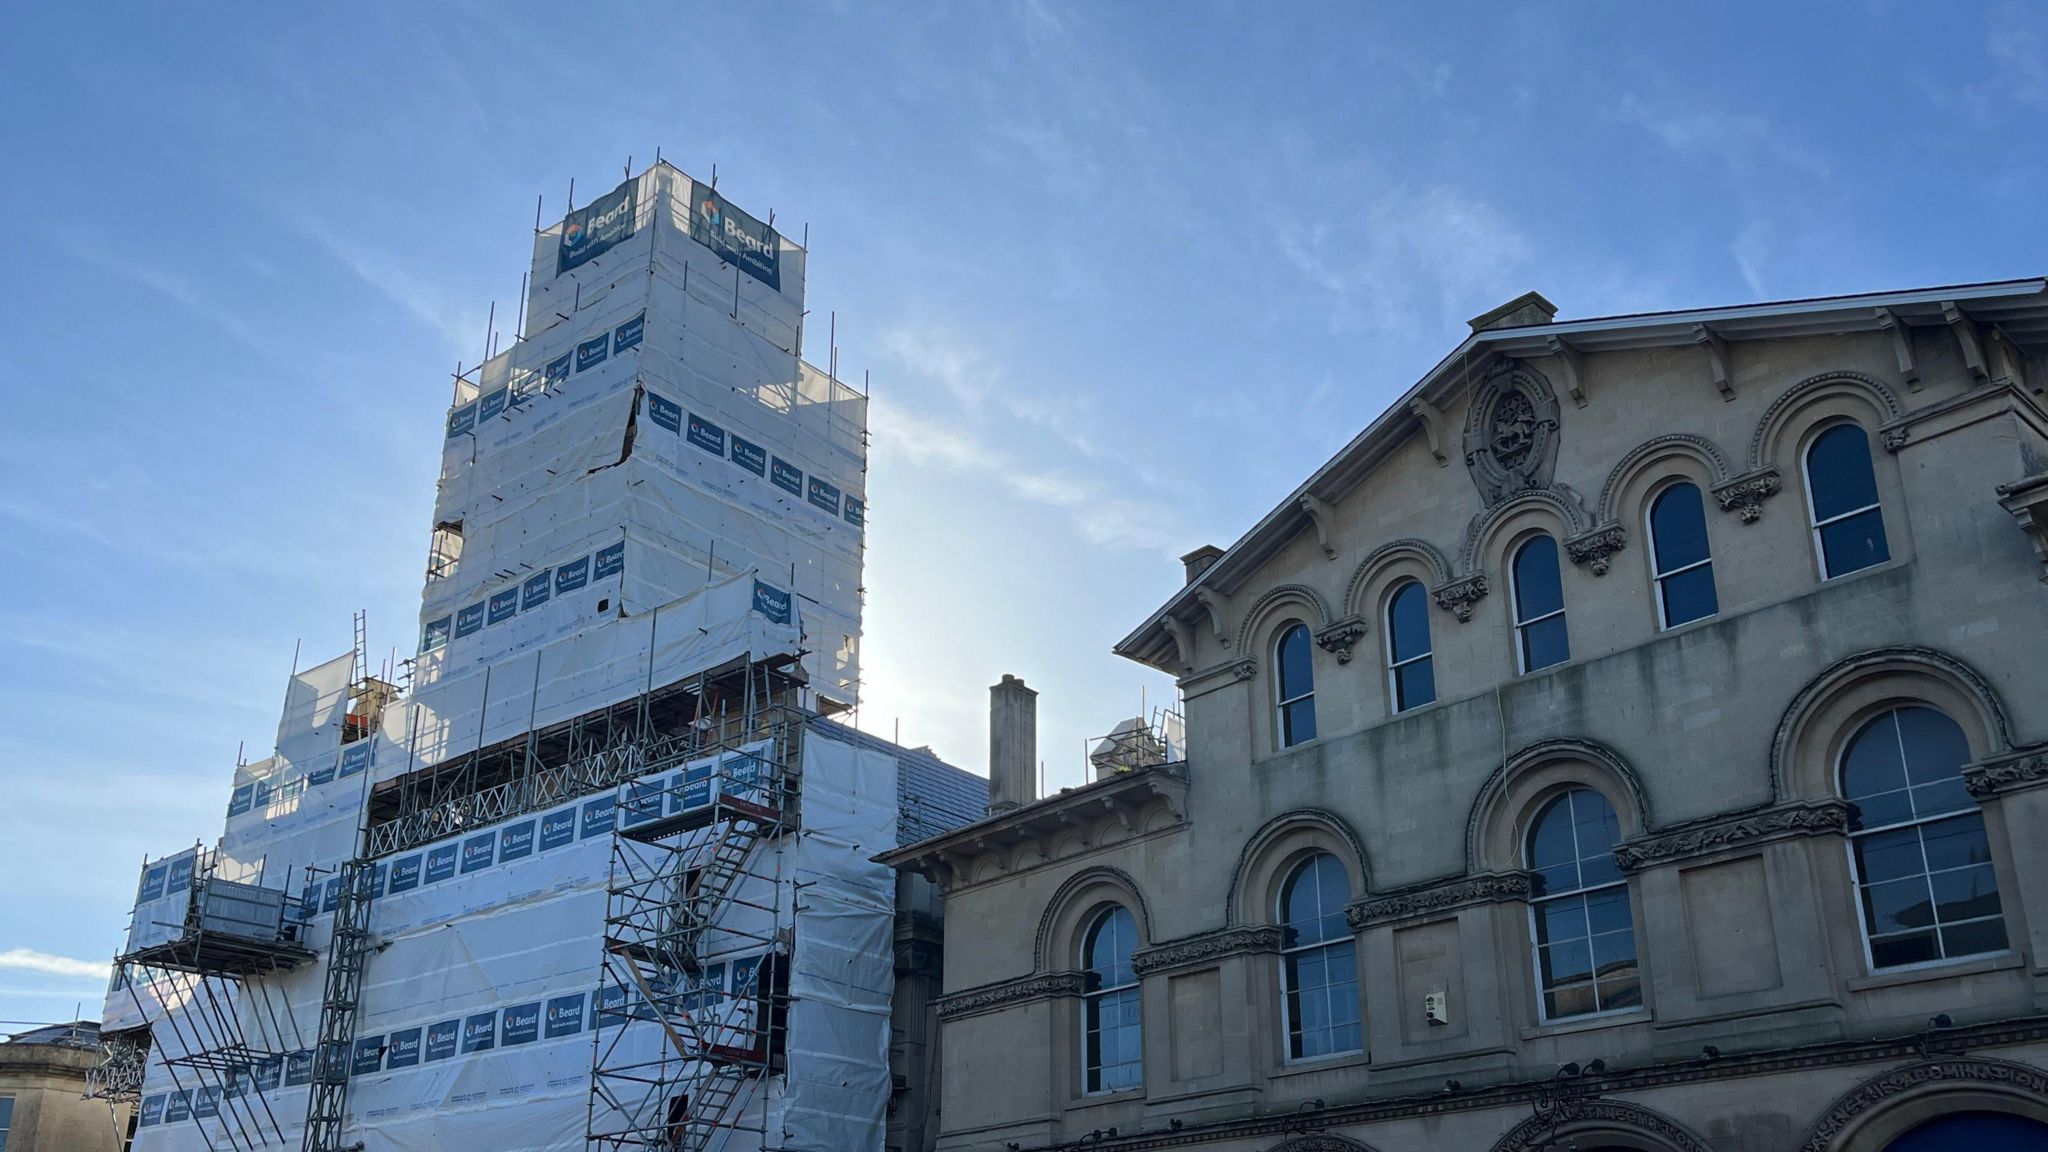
(2014, 772)
(1438, 896)
(1189, 951)
(1742, 829)
(991, 997)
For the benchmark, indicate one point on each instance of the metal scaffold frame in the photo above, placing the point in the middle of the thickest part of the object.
(673, 1057)
(204, 975)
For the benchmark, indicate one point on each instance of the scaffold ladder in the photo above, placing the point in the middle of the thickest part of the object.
(347, 954)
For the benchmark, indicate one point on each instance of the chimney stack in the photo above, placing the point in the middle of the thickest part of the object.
(1012, 745)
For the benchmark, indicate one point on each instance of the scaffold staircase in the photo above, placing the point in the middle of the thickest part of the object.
(674, 925)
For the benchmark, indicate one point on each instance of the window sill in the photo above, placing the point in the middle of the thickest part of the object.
(1937, 970)
(1592, 1022)
(1114, 1096)
(1309, 1064)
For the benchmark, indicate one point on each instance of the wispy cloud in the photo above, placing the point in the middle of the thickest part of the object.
(30, 960)
(432, 304)
(94, 252)
(1742, 141)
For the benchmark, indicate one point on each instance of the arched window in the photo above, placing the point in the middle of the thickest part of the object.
(1318, 961)
(1841, 493)
(1683, 566)
(1112, 1038)
(1579, 915)
(1296, 686)
(1923, 865)
(1539, 606)
(1411, 675)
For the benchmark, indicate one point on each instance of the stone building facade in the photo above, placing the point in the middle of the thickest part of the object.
(43, 1102)
(1636, 738)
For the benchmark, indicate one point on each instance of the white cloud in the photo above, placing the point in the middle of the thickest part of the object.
(30, 960)
(429, 303)
(1740, 141)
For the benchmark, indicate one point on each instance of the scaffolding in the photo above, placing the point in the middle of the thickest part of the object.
(678, 1061)
(204, 964)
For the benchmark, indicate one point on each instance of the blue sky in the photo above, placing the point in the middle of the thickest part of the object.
(1122, 274)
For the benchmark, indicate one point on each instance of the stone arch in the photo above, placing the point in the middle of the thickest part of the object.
(1277, 842)
(1557, 499)
(1376, 561)
(1609, 1121)
(1262, 609)
(1321, 1142)
(1493, 829)
(1764, 442)
(1648, 453)
(1080, 894)
(1950, 682)
(1869, 1116)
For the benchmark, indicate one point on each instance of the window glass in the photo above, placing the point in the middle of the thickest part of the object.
(1539, 606)
(1847, 522)
(1296, 686)
(1112, 1038)
(1684, 566)
(1581, 926)
(1409, 661)
(1318, 962)
(1926, 887)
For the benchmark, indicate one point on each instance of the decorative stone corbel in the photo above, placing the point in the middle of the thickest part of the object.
(1217, 605)
(2027, 500)
(1574, 363)
(1595, 547)
(1183, 643)
(1432, 419)
(1341, 637)
(1244, 669)
(1718, 364)
(1744, 495)
(2007, 363)
(1460, 596)
(1893, 439)
(1966, 337)
(2027, 768)
(1902, 347)
(1319, 515)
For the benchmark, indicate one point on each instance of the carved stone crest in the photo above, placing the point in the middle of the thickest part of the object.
(1341, 637)
(1594, 549)
(1460, 596)
(1745, 494)
(1511, 431)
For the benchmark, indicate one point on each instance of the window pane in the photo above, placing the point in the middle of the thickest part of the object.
(1689, 596)
(1573, 1000)
(1621, 992)
(1956, 842)
(1888, 855)
(1872, 763)
(1414, 685)
(1614, 953)
(1561, 919)
(1550, 841)
(1883, 808)
(1566, 961)
(1544, 644)
(1298, 722)
(1965, 894)
(1935, 746)
(1916, 948)
(1408, 622)
(1678, 526)
(1898, 905)
(1973, 938)
(1608, 911)
(1838, 471)
(1854, 543)
(1537, 590)
(1296, 676)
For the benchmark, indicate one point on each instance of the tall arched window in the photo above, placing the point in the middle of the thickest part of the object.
(1579, 916)
(1318, 961)
(1684, 568)
(1841, 493)
(1539, 605)
(1411, 675)
(1296, 686)
(1112, 1037)
(1923, 865)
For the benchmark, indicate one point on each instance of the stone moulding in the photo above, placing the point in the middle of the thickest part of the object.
(1460, 596)
(1745, 494)
(1439, 896)
(1596, 548)
(1537, 1132)
(1193, 950)
(1962, 1072)
(989, 997)
(2010, 773)
(1814, 818)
